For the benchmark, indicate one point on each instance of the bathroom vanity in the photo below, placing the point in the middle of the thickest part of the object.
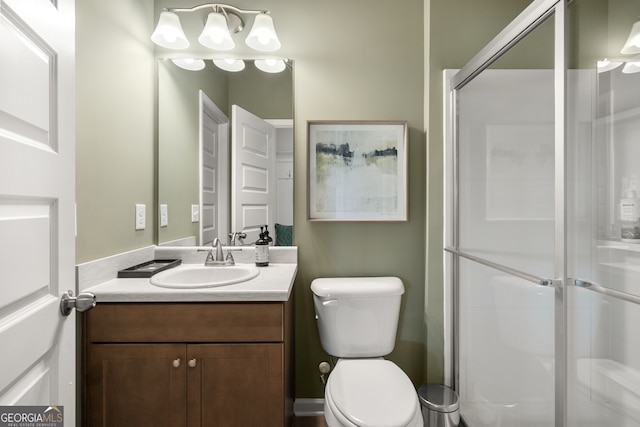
(194, 357)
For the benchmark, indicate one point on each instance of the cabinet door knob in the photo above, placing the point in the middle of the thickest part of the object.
(176, 363)
(192, 363)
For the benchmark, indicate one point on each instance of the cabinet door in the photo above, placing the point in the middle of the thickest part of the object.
(232, 385)
(136, 385)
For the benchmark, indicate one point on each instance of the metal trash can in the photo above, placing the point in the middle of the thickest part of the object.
(440, 407)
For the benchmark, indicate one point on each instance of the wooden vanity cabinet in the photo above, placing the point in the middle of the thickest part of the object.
(188, 364)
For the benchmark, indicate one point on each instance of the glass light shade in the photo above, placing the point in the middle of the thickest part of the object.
(169, 33)
(215, 34)
(190, 64)
(270, 65)
(232, 65)
(263, 36)
(633, 41)
(606, 65)
(632, 66)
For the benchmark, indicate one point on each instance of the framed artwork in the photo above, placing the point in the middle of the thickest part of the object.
(357, 170)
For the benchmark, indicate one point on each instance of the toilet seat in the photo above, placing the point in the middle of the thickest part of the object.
(371, 393)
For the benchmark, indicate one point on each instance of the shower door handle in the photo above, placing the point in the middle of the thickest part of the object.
(552, 283)
(596, 287)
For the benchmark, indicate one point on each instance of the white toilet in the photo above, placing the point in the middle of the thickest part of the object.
(357, 320)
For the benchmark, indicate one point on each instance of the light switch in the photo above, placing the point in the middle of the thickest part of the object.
(195, 213)
(141, 216)
(164, 215)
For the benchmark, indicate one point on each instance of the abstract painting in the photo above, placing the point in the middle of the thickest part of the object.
(357, 170)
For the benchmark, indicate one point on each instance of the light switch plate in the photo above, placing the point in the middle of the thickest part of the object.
(141, 216)
(164, 216)
(195, 213)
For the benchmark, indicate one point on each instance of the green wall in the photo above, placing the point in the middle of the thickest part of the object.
(356, 60)
(355, 63)
(115, 128)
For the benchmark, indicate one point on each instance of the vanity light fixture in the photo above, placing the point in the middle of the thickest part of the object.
(190, 64)
(270, 65)
(633, 41)
(223, 21)
(232, 65)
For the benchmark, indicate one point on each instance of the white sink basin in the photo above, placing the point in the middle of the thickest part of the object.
(194, 276)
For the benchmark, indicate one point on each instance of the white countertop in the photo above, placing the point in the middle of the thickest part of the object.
(274, 283)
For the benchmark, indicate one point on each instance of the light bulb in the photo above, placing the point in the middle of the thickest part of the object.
(263, 38)
(190, 64)
(215, 34)
(229, 64)
(270, 65)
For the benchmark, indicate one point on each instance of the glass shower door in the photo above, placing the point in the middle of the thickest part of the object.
(505, 237)
(544, 204)
(603, 368)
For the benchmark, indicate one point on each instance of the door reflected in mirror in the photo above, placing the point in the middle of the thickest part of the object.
(208, 189)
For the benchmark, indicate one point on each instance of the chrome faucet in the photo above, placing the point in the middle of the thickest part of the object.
(237, 234)
(218, 258)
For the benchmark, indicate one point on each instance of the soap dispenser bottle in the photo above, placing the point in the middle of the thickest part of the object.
(630, 213)
(262, 250)
(266, 235)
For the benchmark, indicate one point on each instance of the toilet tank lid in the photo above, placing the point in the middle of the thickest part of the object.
(336, 287)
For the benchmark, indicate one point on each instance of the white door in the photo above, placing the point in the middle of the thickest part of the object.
(253, 164)
(214, 167)
(37, 164)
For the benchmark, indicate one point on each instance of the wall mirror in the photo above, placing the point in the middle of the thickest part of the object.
(225, 153)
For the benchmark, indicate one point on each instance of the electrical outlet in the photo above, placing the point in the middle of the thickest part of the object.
(141, 216)
(195, 213)
(164, 216)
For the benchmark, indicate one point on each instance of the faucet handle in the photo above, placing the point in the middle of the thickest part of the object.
(229, 259)
(236, 235)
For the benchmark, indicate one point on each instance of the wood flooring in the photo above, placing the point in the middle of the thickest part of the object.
(309, 422)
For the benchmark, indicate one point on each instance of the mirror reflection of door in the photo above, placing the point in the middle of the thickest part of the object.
(214, 155)
(253, 147)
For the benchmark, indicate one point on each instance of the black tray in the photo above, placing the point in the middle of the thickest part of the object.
(148, 269)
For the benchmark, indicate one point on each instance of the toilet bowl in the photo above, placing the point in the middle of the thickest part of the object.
(370, 393)
(357, 321)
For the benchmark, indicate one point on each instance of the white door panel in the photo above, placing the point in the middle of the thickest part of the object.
(37, 167)
(27, 227)
(210, 172)
(214, 166)
(254, 178)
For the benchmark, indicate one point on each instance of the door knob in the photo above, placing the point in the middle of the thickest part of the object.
(192, 363)
(83, 302)
(176, 363)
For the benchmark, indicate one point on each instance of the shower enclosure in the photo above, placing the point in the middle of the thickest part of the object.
(542, 144)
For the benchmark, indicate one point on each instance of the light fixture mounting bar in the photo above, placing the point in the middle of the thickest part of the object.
(215, 6)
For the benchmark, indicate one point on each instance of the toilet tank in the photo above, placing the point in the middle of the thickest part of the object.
(357, 316)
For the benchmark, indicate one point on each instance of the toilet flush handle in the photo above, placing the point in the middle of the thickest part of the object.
(330, 303)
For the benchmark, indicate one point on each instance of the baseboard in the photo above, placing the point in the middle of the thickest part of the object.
(308, 407)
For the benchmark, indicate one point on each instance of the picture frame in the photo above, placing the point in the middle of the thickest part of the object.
(357, 170)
